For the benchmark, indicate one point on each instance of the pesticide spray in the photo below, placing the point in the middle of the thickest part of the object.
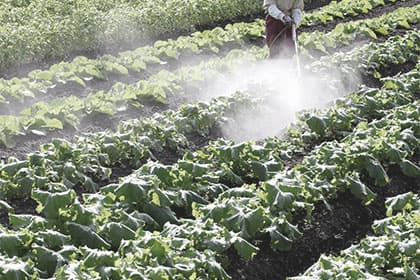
(285, 90)
(295, 43)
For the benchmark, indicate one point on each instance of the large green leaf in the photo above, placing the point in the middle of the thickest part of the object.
(12, 168)
(47, 260)
(245, 249)
(52, 239)
(409, 168)
(195, 169)
(400, 202)
(15, 244)
(53, 124)
(254, 221)
(160, 214)
(278, 240)
(97, 258)
(277, 198)
(50, 203)
(136, 220)
(116, 232)
(31, 222)
(15, 269)
(216, 271)
(133, 190)
(260, 170)
(361, 191)
(317, 125)
(376, 171)
(83, 235)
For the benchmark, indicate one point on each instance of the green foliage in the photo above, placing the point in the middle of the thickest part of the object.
(345, 33)
(176, 221)
(26, 35)
(43, 117)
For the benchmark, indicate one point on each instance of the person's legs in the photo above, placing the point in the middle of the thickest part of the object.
(278, 38)
(287, 44)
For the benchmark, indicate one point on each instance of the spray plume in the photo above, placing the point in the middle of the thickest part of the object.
(283, 92)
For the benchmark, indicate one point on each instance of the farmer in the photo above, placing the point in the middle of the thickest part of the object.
(281, 15)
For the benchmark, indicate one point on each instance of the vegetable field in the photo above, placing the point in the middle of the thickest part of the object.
(115, 162)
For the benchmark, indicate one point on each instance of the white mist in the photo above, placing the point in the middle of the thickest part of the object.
(284, 94)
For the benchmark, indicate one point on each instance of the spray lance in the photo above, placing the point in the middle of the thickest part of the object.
(295, 42)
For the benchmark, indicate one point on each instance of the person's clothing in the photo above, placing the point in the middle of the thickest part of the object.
(286, 6)
(280, 45)
(273, 11)
(297, 16)
(279, 37)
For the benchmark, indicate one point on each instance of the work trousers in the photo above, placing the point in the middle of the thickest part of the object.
(279, 38)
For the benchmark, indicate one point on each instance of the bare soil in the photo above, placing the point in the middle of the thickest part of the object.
(328, 233)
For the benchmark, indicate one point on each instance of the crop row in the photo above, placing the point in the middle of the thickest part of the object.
(345, 33)
(367, 60)
(392, 253)
(140, 203)
(82, 70)
(93, 155)
(69, 111)
(66, 152)
(48, 29)
(87, 25)
(44, 116)
(343, 9)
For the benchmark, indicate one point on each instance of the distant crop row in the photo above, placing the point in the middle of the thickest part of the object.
(38, 30)
(343, 9)
(344, 33)
(82, 70)
(51, 29)
(42, 117)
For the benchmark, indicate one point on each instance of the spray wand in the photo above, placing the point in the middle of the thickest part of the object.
(294, 36)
